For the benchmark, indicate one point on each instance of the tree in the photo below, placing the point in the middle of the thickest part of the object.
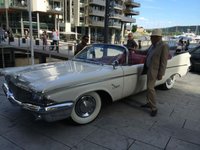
(134, 28)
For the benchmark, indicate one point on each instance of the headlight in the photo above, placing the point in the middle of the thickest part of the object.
(37, 97)
(41, 99)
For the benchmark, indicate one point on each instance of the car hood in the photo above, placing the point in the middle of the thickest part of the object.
(50, 76)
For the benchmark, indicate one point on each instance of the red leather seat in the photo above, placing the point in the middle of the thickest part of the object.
(136, 59)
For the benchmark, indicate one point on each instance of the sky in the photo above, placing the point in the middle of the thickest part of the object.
(167, 13)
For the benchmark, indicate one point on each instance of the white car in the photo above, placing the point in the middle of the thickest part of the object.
(77, 87)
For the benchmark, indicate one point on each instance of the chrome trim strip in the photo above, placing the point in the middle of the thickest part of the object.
(87, 83)
(35, 108)
(103, 80)
(177, 66)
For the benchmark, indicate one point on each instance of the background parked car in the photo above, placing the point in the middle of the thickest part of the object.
(195, 59)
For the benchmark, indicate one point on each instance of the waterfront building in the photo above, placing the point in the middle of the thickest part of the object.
(47, 14)
(69, 16)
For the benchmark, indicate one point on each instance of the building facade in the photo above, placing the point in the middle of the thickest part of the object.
(90, 15)
(77, 16)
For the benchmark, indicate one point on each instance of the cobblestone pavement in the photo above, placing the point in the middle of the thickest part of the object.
(122, 125)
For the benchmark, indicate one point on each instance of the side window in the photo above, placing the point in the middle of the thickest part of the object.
(98, 52)
(95, 52)
(112, 52)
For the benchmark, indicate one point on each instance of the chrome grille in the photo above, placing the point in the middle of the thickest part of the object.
(19, 93)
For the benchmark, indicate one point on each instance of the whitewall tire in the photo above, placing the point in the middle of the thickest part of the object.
(169, 84)
(86, 108)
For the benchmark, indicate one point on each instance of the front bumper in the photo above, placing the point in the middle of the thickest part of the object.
(50, 113)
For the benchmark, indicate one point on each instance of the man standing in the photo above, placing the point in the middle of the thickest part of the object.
(83, 43)
(44, 39)
(55, 39)
(155, 66)
(131, 44)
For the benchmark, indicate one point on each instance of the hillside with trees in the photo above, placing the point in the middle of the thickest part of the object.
(177, 30)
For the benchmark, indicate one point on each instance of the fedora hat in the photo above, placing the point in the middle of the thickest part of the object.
(156, 32)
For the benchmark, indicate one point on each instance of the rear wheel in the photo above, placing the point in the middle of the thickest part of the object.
(86, 108)
(169, 84)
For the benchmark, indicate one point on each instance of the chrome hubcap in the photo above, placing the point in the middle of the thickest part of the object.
(170, 81)
(85, 106)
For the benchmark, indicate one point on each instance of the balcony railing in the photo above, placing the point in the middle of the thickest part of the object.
(18, 4)
(116, 16)
(131, 3)
(113, 24)
(98, 2)
(96, 23)
(118, 6)
(96, 12)
(128, 19)
(131, 12)
(55, 9)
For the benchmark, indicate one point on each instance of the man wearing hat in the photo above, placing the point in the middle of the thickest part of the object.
(154, 67)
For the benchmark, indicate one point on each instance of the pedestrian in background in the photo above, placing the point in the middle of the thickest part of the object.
(187, 44)
(180, 46)
(154, 67)
(81, 45)
(10, 36)
(55, 40)
(26, 34)
(131, 44)
(139, 44)
(44, 40)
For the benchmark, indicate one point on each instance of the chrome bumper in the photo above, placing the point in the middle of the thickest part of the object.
(48, 113)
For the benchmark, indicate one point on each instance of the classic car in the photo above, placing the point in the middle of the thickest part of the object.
(76, 88)
(195, 58)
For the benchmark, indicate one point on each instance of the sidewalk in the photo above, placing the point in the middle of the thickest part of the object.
(122, 125)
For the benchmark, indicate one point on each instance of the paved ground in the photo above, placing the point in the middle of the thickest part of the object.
(122, 125)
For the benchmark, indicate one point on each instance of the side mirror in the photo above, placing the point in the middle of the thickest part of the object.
(115, 64)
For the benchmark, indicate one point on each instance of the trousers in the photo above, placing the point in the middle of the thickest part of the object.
(151, 94)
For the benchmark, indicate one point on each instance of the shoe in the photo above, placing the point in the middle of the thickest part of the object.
(147, 105)
(154, 113)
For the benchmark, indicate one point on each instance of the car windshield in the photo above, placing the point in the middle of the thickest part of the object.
(100, 54)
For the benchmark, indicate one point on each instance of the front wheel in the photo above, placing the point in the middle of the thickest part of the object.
(169, 84)
(86, 108)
